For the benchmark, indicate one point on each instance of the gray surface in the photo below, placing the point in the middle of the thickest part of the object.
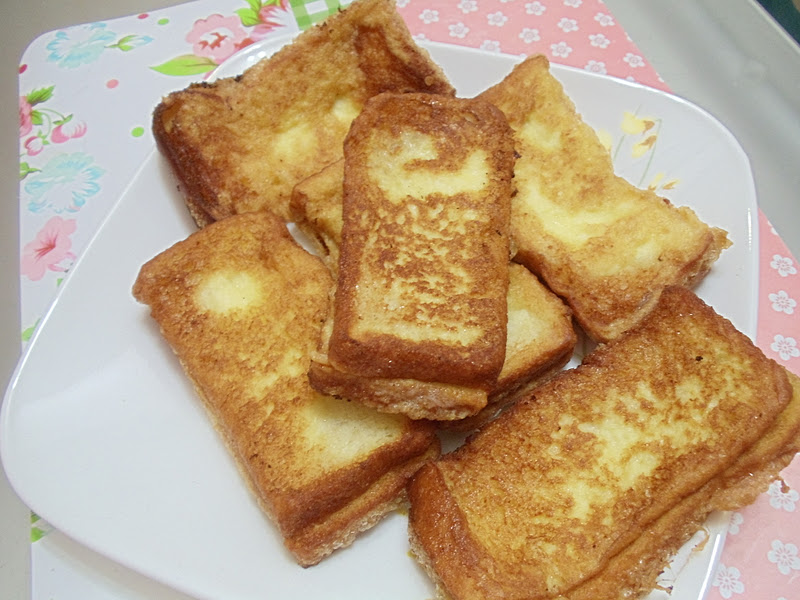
(721, 54)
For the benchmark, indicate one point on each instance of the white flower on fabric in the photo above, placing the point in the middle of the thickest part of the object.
(568, 25)
(573, 3)
(497, 19)
(535, 8)
(727, 580)
(736, 520)
(604, 20)
(784, 265)
(634, 60)
(784, 556)
(598, 40)
(529, 35)
(781, 302)
(782, 497)
(420, 37)
(490, 46)
(403, 3)
(468, 6)
(458, 30)
(594, 66)
(786, 347)
(561, 49)
(429, 16)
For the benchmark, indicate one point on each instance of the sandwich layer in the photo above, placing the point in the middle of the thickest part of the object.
(605, 246)
(242, 304)
(543, 498)
(540, 336)
(423, 266)
(240, 144)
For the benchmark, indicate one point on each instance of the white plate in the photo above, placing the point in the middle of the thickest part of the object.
(102, 436)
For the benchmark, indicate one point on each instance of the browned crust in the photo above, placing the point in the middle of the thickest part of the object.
(464, 568)
(635, 569)
(458, 126)
(410, 397)
(317, 503)
(579, 176)
(512, 392)
(208, 132)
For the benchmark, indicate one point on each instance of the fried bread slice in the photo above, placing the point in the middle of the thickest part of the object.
(540, 336)
(635, 569)
(540, 500)
(241, 305)
(605, 246)
(240, 144)
(423, 276)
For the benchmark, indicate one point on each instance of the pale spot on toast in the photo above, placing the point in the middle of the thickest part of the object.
(225, 291)
(291, 143)
(571, 225)
(345, 109)
(540, 135)
(413, 180)
(346, 431)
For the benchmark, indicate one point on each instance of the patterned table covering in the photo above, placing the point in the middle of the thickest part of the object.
(84, 132)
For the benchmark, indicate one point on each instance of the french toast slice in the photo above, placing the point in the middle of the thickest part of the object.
(240, 144)
(423, 265)
(540, 337)
(241, 304)
(635, 570)
(605, 246)
(542, 499)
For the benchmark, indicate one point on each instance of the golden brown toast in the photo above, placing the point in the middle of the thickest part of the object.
(540, 336)
(240, 144)
(544, 497)
(605, 246)
(423, 266)
(241, 304)
(636, 568)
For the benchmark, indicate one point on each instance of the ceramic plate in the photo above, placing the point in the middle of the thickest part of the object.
(103, 437)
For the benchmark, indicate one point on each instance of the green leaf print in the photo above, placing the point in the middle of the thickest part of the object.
(187, 64)
(248, 16)
(124, 43)
(25, 169)
(40, 95)
(27, 334)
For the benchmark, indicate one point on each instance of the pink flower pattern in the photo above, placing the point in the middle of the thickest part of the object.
(67, 131)
(217, 37)
(25, 119)
(49, 249)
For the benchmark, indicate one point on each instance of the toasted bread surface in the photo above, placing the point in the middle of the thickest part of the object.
(540, 336)
(540, 500)
(423, 275)
(241, 304)
(240, 144)
(635, 570)
(605, 246)
(540, 341)
(316, 210)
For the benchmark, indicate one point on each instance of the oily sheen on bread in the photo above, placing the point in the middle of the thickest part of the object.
(605, 246)
(242, 304)
(585, 488)
(540, 337)
(240, 144)
(423, 265)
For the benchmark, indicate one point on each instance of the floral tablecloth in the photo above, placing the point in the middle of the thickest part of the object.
(84, 131)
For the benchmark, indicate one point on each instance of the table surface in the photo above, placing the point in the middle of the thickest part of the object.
(679, 39)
